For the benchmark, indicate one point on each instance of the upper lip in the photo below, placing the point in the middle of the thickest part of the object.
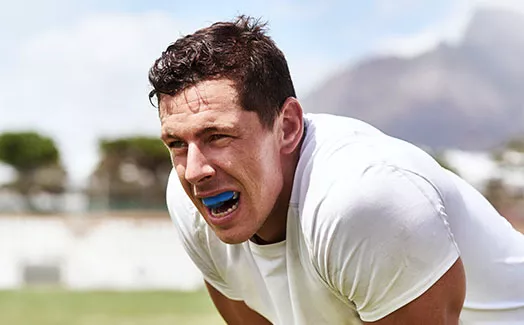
(201, 195)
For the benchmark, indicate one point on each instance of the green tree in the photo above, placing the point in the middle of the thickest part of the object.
(36, 159)
(132, 174)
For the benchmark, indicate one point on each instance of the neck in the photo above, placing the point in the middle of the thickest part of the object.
(274, 228)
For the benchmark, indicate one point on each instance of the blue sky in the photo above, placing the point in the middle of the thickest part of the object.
(77, 70)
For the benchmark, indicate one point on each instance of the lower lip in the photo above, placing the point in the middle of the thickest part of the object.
(222, 221)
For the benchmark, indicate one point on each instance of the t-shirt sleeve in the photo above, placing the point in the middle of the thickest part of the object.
(193, 235)
(384, 240)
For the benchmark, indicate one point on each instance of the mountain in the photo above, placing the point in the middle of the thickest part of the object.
(468, 95)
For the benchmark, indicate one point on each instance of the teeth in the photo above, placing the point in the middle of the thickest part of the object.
(222, 214)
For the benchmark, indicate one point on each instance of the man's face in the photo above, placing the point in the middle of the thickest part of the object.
(219, 148)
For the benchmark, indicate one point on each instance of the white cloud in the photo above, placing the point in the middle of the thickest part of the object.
(449, 29)
(79, 82)
(304, 10)
(393, 8)
(87, 77)
(517, 5)
(308, 72)
(89, 80)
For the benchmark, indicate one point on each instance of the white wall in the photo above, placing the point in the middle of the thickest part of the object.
(101, 253)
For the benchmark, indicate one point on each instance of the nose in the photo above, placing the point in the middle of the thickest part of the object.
(198, 168)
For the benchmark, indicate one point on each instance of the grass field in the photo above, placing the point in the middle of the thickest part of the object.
(59, 307)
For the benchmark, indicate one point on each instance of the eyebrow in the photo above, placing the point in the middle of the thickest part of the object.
(201, 132)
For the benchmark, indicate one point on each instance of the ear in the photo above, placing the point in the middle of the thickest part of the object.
(291, 125)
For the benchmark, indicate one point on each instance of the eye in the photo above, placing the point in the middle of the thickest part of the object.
(177, 144)
(215, 137)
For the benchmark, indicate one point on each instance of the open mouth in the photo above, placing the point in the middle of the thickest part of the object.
(222, 204)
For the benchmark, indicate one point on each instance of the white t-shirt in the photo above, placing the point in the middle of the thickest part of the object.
(373, 222)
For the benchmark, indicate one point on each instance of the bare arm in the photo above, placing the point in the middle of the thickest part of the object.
(235, 312)
(440, 305)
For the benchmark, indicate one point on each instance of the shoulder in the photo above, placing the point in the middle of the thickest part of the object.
(382, 239)
(376, 199)
(382, 190)
(334, 147)
(373, 216)
(364, 171)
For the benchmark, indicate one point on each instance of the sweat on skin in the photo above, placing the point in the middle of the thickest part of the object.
(216, 147)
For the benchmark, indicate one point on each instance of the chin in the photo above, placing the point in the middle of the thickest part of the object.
(232, 239)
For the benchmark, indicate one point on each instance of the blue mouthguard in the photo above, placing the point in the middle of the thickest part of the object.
(218, 200)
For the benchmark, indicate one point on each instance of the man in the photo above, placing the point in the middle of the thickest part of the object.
(318, 219)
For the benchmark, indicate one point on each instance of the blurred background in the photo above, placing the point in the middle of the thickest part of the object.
(84, 233)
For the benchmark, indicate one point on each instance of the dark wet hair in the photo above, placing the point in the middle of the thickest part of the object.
(240, 51)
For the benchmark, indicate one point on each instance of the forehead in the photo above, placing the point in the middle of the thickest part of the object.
(217, 95)
(209, 105)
